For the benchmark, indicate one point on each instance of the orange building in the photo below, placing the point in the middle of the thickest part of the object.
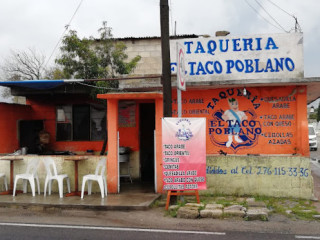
(256, 141)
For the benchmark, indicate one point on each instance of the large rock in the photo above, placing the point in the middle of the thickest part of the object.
(188, 212)
(211, 213)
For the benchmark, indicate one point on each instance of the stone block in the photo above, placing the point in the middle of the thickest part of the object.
(262, 209)
(212, 206)
(235, 213)
(235, 207)
(257, 214)
(250, 200)
(173, 207)
(188, 212)
(194, 205)
(211, 213)
(235, 210)
(256, 204)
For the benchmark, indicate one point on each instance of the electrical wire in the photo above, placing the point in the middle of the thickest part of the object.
(65, 29)
(270, 16)
(297, 27)
(262, 16)
(280, 8)
(93, 86)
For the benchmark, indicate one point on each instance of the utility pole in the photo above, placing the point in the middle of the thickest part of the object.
(165, 50)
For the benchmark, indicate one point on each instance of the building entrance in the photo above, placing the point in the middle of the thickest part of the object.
(146, 132)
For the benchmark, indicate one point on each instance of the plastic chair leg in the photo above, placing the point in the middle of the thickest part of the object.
(38, 184)
(50, 185)
(33, 187)
(45, 186)
(105, 186)
(89, 186)
(15, 186)
(100, 182)
(82, 188)
(60, 185)
(24, 184)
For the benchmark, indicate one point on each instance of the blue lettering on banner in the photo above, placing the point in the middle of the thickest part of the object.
(236, 45)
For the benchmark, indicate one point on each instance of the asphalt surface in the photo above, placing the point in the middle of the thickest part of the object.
(71, 232)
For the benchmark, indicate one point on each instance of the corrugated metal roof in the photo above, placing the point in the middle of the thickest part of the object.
(154, 37)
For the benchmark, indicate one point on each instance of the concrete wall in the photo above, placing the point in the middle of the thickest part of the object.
(276, 176)
(150, 52)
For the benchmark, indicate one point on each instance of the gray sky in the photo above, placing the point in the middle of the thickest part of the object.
(39, 24)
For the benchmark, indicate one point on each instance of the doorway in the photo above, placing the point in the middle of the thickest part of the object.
(146, 133)
(29, 134)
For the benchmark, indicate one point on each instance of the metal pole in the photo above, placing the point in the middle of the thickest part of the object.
(178, 89)
(179, 103)
(165, 50)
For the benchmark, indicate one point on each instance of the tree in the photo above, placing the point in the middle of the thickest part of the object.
(24, 65)
(90, 58)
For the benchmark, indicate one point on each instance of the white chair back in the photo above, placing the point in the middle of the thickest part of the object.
(50, 166)
(32, 166)
(101, 167)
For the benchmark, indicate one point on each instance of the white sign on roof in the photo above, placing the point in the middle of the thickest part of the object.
(241, 57)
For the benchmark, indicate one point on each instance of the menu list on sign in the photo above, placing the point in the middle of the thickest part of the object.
(278, 125)
(174, 177)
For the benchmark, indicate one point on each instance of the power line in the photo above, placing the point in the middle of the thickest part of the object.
(65, 29)
(280, 8)
(270, 16)
(297, 27)
(262, 16)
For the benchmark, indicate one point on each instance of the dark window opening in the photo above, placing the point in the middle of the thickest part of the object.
(81, 123)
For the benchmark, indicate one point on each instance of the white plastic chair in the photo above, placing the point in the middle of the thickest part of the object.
(30, 175)
(5, 183)
(53, 175)
(98, 176)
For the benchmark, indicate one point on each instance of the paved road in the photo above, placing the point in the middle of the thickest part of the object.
(72, 232)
